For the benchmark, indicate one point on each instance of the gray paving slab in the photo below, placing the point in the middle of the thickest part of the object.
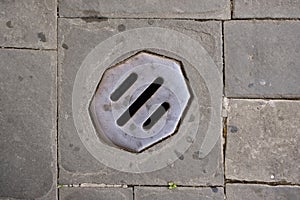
(95, 193)
(257, 191)
(159, 193)
(28, 23)
(263, 141)
(27, 124)
(216, 9)
(76, 39)
(266, 9)
(262, 59)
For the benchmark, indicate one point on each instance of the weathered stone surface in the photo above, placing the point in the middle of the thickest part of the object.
(27, 124)
(218, 9)
(263, 141)
(76, 39)
(266, 9)
(262, 59)
(95, 193)
(251, 192)
(28, 23)
(163, 193)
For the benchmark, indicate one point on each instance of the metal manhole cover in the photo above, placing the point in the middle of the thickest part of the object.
(140, 101)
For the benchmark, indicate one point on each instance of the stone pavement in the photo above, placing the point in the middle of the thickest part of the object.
(255, 45)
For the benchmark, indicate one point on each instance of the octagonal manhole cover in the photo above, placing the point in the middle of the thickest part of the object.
(140, 101)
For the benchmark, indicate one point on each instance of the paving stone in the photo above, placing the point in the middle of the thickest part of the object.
(159, 193)
(95, 193)
(266, 9)
(263, 141)
(262, 59)
(238, 191)
(76, 39)
(28, 23)
(27, 124)
(217, 9)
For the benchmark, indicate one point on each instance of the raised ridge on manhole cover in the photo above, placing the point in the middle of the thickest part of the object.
(140, 101)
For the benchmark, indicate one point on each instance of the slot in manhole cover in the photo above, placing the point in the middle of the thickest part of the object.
(140, 101)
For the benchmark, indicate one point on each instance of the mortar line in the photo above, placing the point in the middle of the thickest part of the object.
(264, 19)
(142, 18)
(191, 19)
(224, 151)
(224, 118)
(26, 48)
(133, 193)
(231, 8)
(94, 185)
(57, 100)
(227, 181)
(178, 186)
(278, 183)
(223, 58)
(265, 98)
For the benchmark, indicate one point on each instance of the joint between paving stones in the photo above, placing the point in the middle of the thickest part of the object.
(100, 19)
(224, 150)
(133, 193)
(264, 98)
(93, 185)
(57, 99)
(224, 109)
(102, 185)
(26, 48)
(264, 19)
(95, 18)
(178, 186)
(223, 57)
(231, 8)
(276, 183)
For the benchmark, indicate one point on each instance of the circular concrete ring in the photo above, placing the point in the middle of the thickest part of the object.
(102, 57)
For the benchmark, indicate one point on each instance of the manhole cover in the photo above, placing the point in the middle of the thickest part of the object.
(140, 101)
